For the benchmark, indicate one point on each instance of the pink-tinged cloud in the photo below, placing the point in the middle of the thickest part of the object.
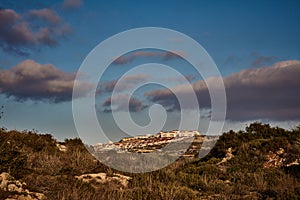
(19, 35)
(46, 14)
(7, 17)
(138, 54)
(72, 3)
(30, 80)
(271, 92)
(119, 104)
(127, 83)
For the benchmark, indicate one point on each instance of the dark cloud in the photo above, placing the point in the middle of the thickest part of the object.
(31, 80)
(164, 97)
(262, 93)
(119, 104)
(167, 98)
(18, 33)
(127, 83)
(72, 3)
(134, 55)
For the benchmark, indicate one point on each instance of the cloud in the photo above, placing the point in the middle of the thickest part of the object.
(190, 78)
(45, 14)
(231, 59)
(72, 3)
(261, 60)
(118, 103)
(19, 33)
(138, 54)
(271, 92)
(30, 80)
(164, 97)
(127, 83)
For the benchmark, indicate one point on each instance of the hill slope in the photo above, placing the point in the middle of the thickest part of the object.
(261, 162)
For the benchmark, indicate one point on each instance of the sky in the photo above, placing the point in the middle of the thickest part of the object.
(254, 44)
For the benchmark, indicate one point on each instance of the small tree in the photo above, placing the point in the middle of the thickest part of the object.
(1, 111)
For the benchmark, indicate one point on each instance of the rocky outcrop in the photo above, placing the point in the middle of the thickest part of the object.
(227, 157)
(101, 178)
(277, 159)
(17, 189)
(61, 147)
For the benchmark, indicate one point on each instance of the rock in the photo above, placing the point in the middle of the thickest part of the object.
(275, 160)
(123, 180)
(296, 162)
(20, 197)
(8, 183)
(3, 184)
(61, 147)
(4, 180)
(40, 196)
(5, 176)
(13, 188)
(228, 156)
(32, 196)
(19, 184)
(103, 178)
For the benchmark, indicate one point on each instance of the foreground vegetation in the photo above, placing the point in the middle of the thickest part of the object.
(36, 160)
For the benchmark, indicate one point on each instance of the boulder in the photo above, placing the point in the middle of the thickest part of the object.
(8, 183)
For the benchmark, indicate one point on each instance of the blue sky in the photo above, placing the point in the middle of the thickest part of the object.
(238, 35)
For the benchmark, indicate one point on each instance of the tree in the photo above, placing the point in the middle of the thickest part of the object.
(1, 111)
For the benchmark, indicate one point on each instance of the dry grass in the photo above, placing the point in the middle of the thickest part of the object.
(35, 159)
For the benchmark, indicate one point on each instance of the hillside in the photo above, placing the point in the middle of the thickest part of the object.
(261, 162)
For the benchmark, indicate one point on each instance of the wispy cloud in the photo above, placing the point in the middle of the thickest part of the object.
(72, 3)
(30, 80)
(231, 60)
(261, 60)
(190, 78)
(138, 54)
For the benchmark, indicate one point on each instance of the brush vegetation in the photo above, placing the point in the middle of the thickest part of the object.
(35, 159)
